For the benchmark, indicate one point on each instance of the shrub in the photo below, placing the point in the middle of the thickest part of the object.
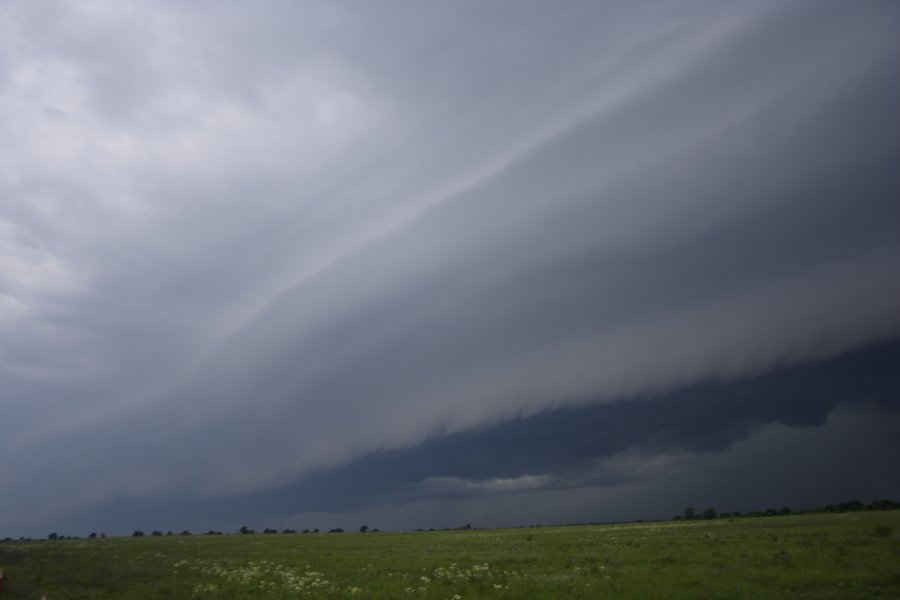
(883, 531)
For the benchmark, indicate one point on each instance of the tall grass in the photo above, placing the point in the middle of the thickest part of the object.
(851, 555)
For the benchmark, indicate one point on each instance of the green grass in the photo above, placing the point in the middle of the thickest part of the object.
(851, 555)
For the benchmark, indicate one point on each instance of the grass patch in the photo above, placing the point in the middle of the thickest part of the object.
(853, 555)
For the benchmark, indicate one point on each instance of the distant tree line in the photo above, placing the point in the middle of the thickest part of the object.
(465, 527)
(691, 513)
(688, 514)
(244, 530)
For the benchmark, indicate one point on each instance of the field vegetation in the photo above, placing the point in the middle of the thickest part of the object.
(845, 555)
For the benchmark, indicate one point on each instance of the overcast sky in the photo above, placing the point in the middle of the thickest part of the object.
(426, 263)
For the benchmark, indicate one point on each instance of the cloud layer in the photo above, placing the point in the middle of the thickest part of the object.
(239, 246)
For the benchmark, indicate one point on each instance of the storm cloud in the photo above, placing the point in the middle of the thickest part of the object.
(801, 436)
(246, 247)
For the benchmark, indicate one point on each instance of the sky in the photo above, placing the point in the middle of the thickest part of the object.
(421, 264)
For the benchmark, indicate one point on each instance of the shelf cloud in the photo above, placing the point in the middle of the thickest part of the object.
(245, 247)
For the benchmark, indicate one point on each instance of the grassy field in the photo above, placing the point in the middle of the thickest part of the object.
(850, 555)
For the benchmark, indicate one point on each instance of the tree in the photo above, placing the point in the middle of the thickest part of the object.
(92, 536)
(709, 513)
(53, 536)
(883, 504)
(137, 533)
(364, 529)
(689, 512)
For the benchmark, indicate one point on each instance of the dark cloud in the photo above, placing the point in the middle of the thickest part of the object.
(710, 417)
(252, 247)
(631, 442)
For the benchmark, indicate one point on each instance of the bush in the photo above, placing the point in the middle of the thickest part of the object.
(883, 531)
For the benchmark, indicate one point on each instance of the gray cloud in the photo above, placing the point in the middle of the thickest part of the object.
(807, 467)
(237, 246)
(779, 466)
(633, 444)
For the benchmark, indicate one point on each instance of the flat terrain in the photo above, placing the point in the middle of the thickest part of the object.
(850, 555)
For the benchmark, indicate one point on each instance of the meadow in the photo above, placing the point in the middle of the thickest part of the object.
(849, 555)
